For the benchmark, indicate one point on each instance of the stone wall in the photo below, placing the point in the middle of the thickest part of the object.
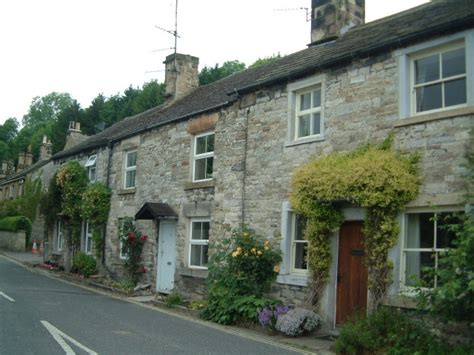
(13, 241)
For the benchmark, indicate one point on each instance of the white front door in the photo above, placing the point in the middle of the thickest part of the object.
(166, 257)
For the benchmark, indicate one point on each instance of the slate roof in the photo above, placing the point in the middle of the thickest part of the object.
(25, 171)
(396, 31)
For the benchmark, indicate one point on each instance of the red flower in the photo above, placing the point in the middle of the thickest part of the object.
(143, 238)
(143, 270)
(131, 235)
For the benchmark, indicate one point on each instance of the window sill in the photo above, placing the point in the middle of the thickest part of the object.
(127, 191)
(304, 141)
(428, 117)
(292, 279)
(198, 273)
(198, 185)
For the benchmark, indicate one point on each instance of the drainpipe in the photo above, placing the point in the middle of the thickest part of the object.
(107, 183)
(245, 166)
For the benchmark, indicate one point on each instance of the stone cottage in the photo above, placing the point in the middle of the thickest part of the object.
(220, 155)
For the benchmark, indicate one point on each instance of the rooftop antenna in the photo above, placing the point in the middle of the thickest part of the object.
(174, 34)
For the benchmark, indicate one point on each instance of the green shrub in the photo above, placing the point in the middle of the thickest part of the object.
(241, 270)
(174, 299)
(15, 224)
(84, 264)
(390, 331)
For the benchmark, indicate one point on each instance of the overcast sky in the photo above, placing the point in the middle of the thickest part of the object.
(87, 47)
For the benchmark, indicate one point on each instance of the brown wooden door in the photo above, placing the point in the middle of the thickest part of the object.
(351, 273)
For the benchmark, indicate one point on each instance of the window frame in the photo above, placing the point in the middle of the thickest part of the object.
(197, 241)
(128, 169)
(201, 156)
(404, 288)
(59, 236)
(406, 73)
(439, 50)
(120, 224)
(295, 90)
(91, 166)
(87, 238)
(294, 242)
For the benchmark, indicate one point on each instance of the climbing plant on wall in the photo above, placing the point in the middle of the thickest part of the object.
(72, 180)
(95, 209)
(373, 177)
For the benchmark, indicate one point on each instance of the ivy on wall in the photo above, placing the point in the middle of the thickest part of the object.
(373, 177)
(95, 209)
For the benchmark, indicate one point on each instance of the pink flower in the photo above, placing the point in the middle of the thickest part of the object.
(143, 238)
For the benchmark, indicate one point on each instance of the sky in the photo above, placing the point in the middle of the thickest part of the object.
(88, 47)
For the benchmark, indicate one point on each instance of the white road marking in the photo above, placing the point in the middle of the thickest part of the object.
(60, 337)
(7, 297)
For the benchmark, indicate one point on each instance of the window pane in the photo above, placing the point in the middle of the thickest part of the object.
(130, 179)
(201, 145)
(205, 230)
(200, 169)
(428, 98)
(304, 125)
(200, 231)
(305, 101)
(455, 92)
(316, 123)
(420, 231)
(427, 69)
(199, 255)
(196, 230)
(209, 167)
(210, 143)
(300, 256)
(316, 98)
(454, 63)
(414, 268)
(445, 234)
(299, 227)
(131, 159)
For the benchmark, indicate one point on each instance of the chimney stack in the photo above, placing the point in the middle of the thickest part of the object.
(332, 18)
(181, 75)
(74, 135)
(46, 149)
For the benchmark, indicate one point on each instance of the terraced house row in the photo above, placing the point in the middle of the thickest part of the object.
(223, 154)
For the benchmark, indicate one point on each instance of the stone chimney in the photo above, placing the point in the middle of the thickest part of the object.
(25, 159)
(46, 149)
(181, 75)
(74, 135)
(332, 18)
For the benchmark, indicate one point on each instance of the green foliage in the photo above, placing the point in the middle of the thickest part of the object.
(174, 299)
(241, 270)
(265, 60)
(390, 331)
(8, 132)
(132, 247)
(28, 204)
(84, 264)
(375, 178)
(453, 299)
(50, 203)
(209, 74)
(15, 224)
(46, 108)
(72, 180)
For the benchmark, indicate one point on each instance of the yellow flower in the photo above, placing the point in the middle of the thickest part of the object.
(239, 249)
(259, 252)
(266, 243)
(266, 248)
(246, 234)
(234, 254)
(276, 269)
(253, 250)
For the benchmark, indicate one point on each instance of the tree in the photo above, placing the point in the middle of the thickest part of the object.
(47, 108)
(209, 75)
(265, 60)
(8, 132)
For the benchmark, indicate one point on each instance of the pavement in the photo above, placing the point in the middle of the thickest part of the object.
(319, 343)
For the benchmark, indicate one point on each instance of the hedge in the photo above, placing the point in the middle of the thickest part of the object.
(15, 224)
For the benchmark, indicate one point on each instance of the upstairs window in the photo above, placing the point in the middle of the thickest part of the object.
(91, 167)
(203, 157)
(308, 113)
(439, 79)
(130, 169)
(199, 244)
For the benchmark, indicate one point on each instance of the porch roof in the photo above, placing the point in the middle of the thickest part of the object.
(156, 210)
